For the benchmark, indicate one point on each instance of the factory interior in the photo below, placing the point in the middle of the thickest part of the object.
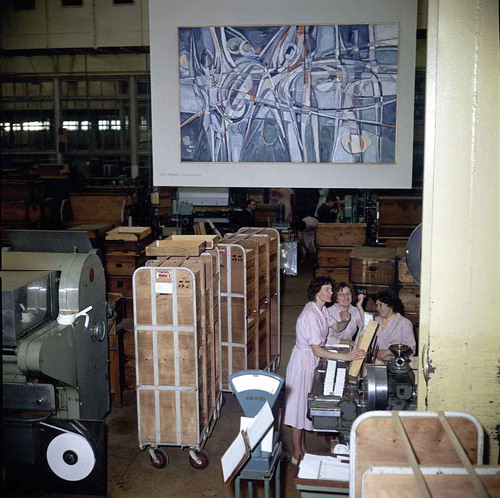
(148, 321)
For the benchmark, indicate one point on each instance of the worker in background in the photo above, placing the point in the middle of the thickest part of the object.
(306, 231)
(247, 216)
(312, 328)
(393, 327)
(329, 210)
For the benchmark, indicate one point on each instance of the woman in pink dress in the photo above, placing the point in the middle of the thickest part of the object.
(311, 330)
(345, 330)
(393, 327)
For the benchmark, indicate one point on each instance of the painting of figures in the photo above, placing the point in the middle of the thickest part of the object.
(289, 94)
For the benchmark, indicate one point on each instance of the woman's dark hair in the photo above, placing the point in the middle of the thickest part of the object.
(315, 286)
(391, 300)
(338, 287)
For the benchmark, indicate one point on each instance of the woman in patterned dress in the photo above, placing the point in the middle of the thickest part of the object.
(311, 329)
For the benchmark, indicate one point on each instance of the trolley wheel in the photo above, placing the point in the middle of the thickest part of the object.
(202, 457)
(162, 457)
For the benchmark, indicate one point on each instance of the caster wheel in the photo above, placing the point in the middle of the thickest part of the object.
(203, 458)
(162, 459)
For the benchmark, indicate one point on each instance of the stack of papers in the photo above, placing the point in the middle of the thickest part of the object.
(324, 467)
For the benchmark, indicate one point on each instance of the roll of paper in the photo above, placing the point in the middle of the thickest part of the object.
(70, 457)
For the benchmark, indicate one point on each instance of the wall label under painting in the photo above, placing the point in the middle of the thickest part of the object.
(289, 94)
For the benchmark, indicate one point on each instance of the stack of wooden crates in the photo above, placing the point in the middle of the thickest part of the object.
(204, 309)
(379, 269)
(334, 243)
(250, 336)
(343, 257)
(124, 252)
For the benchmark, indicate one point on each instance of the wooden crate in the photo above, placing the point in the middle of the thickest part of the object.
(334, 257)
(170, 358)
(335, 274)
(169, 247)
(399, 210)
(21, 190)
(88, 208)
(392, 231)
(22, 212)
(410, 297)
(96, 231)
(373, 265)
(120, 284)
(261, 245)
(128, 239)
(123, 263)
(340, 234)
(237, 307)
(393, 241)
(274, 283)
(404, 275)
(210, 240)
(415, 441)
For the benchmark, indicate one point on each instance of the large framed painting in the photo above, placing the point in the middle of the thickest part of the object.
(283, 93)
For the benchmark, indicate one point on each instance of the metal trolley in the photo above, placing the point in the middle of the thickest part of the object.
(171, 365)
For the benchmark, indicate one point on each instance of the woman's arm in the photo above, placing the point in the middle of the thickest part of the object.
(320, 352)
(345, 318)
(359, 306)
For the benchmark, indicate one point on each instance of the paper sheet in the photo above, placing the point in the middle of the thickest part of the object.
(233, 456)
(323, 467)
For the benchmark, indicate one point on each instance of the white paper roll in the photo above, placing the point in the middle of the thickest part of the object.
(70, 442)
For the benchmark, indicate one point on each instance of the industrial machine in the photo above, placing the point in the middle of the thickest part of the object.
(55, 363)
(336, 400)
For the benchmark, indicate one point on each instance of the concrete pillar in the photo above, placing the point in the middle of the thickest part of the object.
(460, 281)
(133, 128)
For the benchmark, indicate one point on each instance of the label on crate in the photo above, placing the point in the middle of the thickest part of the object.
(163, 288)
(166, 273)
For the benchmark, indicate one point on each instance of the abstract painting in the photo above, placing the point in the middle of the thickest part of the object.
(289, 94)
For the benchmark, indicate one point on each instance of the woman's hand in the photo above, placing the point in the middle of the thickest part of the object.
(359, 302)
(345, 317)
(357, 354)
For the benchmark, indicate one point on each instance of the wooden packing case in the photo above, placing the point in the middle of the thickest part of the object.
(373, 265)
(340, 234)
(169, 356)
(128, 239)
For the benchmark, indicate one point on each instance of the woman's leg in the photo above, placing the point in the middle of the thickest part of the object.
(303, 448)
(297, 435)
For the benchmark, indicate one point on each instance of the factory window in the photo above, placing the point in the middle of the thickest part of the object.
(123, 2)
(36, 125)
(71, 3)
(24, 5)
(109, 124)
(70, 125)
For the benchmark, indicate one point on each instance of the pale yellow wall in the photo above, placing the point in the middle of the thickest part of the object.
(460, 307)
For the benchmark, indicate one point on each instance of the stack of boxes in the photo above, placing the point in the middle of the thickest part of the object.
(23, 204)
(373, 270)
(124, 252)
(398, 216)
(334, 243)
